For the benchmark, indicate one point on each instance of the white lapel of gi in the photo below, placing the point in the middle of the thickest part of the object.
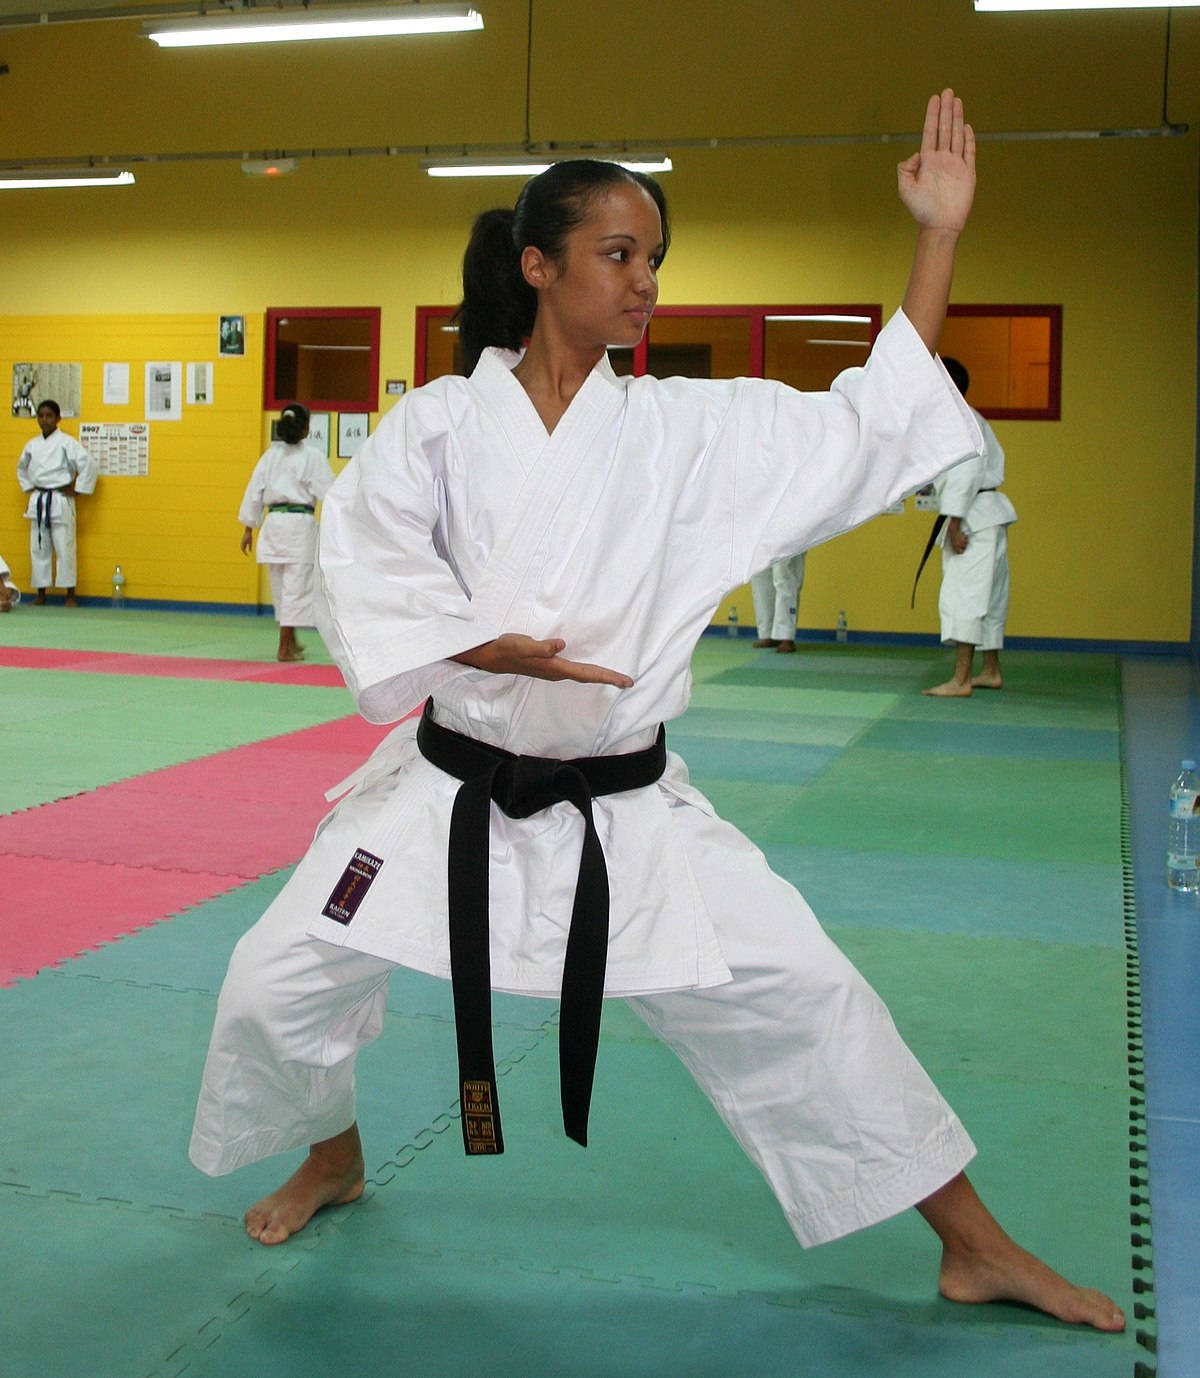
(553, 466)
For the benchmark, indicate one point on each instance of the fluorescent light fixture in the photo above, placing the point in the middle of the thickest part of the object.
(529, 165)
(995, 6)
(839, 320)
(295, 25)
(36, 178)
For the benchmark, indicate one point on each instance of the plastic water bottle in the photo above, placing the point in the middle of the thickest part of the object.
(1183, 831)
(840, 633)
(118, 593)
(731, 622)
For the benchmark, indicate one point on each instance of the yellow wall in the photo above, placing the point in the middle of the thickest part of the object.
(1106, 227)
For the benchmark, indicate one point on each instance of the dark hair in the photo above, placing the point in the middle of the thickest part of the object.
(962, 379)
(498, 305)
(52, 404)
(293, 423)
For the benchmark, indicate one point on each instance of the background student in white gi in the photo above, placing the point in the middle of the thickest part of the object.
(776, 594)
(287, 483)
(503, 533)
(973, 603)
(54, 467)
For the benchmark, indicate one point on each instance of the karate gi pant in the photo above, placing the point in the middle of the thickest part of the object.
(57, 541)
(292, 593)
(973, 603)
(776, 594)
(797, 1053)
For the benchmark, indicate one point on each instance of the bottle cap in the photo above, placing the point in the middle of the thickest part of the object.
(1188, 765)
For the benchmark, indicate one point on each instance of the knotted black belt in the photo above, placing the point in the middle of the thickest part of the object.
(522, 786)
(938, 522)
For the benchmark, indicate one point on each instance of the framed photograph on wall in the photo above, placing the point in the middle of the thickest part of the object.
(231, 335)
(318, 431)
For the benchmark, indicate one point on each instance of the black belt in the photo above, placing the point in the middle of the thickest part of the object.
(291, 507)
(522, 786)
(938, 522)
(45, 501)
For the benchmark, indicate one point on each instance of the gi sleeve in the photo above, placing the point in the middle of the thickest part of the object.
(85, 465)
(318, 476)
(959, 487)
(27, 484)
(810, 466)
(389, 604)
(250, 513)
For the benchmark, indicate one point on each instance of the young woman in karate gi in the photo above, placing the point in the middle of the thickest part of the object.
(498, 545)
(281, 498)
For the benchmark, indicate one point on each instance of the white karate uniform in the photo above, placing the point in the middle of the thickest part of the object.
(620, 532)
(287, 541)
(973, 602)
(14, 593)
(47, 464)
(776, 593)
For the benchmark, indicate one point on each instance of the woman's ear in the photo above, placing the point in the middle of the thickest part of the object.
(537, 269)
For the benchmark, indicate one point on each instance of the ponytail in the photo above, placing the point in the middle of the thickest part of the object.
(292, 425)
(498, 305)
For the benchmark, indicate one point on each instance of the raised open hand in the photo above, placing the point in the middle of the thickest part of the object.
(515, 654)
(938, 183)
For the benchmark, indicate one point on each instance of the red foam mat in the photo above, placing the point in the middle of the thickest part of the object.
(85, 870)
(54, 909)
(170, 667)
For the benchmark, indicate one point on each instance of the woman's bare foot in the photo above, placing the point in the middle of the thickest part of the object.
(331, 1175)
(296, 654)
(986, 681)
(952, 689)
(1015, 1275)
(980, 1263)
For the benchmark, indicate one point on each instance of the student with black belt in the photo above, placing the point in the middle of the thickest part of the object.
(54, 467)
(972, 530)
(496, 546)
(281, 498)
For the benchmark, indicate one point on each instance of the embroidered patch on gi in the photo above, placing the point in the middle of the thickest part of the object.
(479, 1118)
(348, 893)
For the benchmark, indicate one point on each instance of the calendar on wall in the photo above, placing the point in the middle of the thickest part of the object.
(121, 449)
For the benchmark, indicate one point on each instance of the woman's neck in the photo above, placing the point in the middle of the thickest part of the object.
(552, 375)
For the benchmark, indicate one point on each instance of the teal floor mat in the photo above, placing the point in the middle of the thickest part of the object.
(658, 1250)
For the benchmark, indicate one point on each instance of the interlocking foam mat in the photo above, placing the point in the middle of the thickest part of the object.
(658, 1250)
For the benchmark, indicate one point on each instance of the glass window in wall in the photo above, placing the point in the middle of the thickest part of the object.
(1014, 357)
(327, 358)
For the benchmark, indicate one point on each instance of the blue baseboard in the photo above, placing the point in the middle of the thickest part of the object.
(1011, 643)
(167, 605)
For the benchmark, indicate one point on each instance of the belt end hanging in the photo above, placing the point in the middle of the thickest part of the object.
(481, 1118)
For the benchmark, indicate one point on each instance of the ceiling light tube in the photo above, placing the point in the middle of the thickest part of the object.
(996, 6)
(24, 179)
(529, 165)
(297, 25)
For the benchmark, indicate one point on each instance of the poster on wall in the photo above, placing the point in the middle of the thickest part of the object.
(318, 431)
(122, 450)
(34, 383)
(116, 385)
(231, 335)
(199, 385)
(164, 392)
(352, 431)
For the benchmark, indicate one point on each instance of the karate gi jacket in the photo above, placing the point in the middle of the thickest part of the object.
(296, 474)
(970, 491)
(620, 532)
(56, 460)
